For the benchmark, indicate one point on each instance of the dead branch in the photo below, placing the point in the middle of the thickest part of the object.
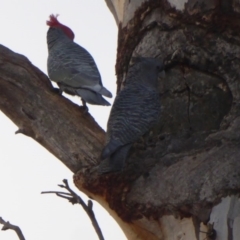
(72, 197)
(29, 100)
(7, 225)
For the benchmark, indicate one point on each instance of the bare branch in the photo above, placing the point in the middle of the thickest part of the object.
(7, 225)
(74, 198)
(29, 100)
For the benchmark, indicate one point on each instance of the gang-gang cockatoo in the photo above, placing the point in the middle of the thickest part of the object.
(135, 111)
(72, 67)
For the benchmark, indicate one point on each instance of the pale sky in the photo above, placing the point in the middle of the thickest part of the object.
(26, 168)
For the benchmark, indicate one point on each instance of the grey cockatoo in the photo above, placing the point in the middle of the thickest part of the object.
(135, 111)
(72, 67)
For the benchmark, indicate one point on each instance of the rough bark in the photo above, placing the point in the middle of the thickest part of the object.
(186, 172)
(190, 164)
(29, 100)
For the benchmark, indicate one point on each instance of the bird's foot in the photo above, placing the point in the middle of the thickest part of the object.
(57, 91)
(84, 107)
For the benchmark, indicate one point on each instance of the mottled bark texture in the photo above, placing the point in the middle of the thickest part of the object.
(185, 173)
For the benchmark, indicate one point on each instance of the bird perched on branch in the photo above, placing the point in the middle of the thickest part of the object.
(135, 111)
(72, 67)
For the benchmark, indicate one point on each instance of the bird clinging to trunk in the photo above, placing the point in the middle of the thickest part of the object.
(135, 111)
(72, 67)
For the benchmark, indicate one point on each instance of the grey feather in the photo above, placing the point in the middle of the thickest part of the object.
(71, 65)
(110, 148)
(116, 162)
(88, 95)
(135, 111)
(92, 97)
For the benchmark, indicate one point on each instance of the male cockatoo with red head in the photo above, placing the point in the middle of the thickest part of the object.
(72, 67)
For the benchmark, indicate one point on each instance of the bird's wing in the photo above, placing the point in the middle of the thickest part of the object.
(74, 66)
(134, 112)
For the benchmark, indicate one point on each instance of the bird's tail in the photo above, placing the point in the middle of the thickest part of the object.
(103, 91)
(116, 161)
(92, 97)
(101, 101)
(110, 148)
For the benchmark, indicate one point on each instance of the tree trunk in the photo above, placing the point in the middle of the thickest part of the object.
(182, 180)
